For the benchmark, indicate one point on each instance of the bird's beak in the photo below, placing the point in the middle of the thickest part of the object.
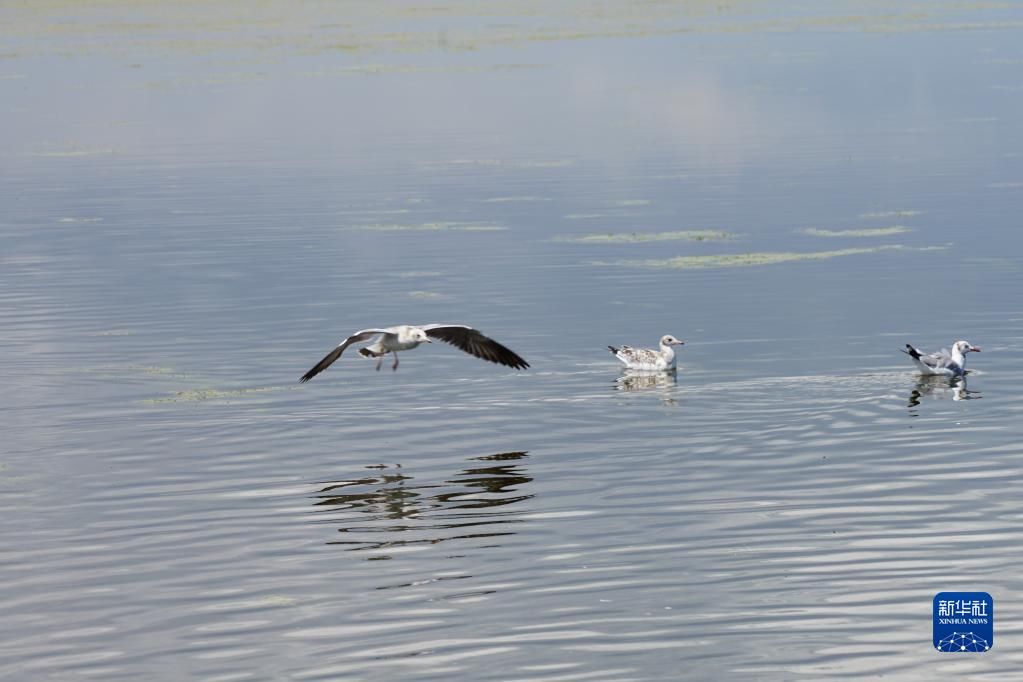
(975, 349)
(680, 343)
(428, 340)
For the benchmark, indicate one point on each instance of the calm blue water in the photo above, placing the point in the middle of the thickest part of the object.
(197, 207)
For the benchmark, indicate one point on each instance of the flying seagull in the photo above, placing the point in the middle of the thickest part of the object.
(648, 359)
(943, 363)
(406, 337)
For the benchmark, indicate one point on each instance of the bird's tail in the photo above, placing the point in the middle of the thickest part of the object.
(912, 352)
(614, 351)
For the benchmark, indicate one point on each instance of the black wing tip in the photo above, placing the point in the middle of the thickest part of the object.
(310, 374)
(511, 359)
(313, 372)
(476, 343)
(613, 349)
(323, 364)
(911, 352)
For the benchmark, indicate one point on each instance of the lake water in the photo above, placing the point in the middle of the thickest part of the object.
(200, 200)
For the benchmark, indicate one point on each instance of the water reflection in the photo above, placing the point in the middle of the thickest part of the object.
(941, 388)
(638, 380)
(394, 509)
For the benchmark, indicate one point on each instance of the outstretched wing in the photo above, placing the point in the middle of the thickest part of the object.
(474, 343)
(333, 355)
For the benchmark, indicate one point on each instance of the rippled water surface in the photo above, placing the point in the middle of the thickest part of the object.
(201, 199)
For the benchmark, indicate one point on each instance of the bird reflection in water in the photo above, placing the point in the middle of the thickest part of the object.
(941, 388)
(395, 510)
(639, 380)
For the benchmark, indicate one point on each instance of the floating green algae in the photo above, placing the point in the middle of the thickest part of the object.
(500, 163)
(868, 232)
(197, 395)
(381, 69)
(270, 29)
(415, 274)
(584, 216)
(733, 260)
(642, 237)
(74, 152)
(890, 214)
(505, 200)
(120, 371)
(430, 227)
(115, 332)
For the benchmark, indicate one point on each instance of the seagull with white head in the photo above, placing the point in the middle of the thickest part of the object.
(406, 337)
(942, 363)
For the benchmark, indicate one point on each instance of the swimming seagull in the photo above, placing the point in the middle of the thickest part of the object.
(943, 363)
(406, 337)
(648, 359)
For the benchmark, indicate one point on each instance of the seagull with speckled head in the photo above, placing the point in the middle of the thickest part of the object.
(648, 359)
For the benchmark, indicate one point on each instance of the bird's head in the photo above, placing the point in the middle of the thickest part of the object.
(669, 340)
(420, 336)
(965, 347)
